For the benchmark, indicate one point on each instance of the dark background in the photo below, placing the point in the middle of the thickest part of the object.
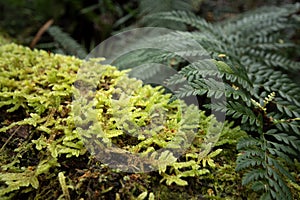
(91, 21)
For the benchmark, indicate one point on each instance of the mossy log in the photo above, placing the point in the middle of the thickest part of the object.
(50, 139)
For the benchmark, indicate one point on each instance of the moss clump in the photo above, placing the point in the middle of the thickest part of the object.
(52, 146)
(4, 39)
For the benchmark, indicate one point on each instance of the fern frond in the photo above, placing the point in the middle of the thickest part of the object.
(148, 6)
(272, 59)
(285, 138)
(67, 43)
(276, 185)
(264, 162)
(289, 126)
(254, 175)
(245, 163)
(186, 18)
(237, 110)
(248, 142)
(264, 20)
(146, 71)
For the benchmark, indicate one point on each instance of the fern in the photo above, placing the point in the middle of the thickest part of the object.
(65, 43)
(148, 7)
(264, 158)
(244, 60)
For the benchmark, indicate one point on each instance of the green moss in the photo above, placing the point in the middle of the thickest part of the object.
(50, 143)
(4, 39)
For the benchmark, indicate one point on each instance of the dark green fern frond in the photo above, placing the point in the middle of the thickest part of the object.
(287, 92)
(185, 18)
(66, 44)
(264, 163)
(206, 76)
(148, 7)
(271, 59)
(288, 126)
(264, 20)
(238, 110)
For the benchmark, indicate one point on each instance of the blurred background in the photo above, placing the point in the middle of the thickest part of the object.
(76, 26)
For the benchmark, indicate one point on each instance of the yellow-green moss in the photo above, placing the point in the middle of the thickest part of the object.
(4, 39)
(40, 143)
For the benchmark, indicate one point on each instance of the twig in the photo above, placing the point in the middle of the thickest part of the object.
(41, 31)
(9, 138)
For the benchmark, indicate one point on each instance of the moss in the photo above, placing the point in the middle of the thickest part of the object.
(4, 39)
(50, 141)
